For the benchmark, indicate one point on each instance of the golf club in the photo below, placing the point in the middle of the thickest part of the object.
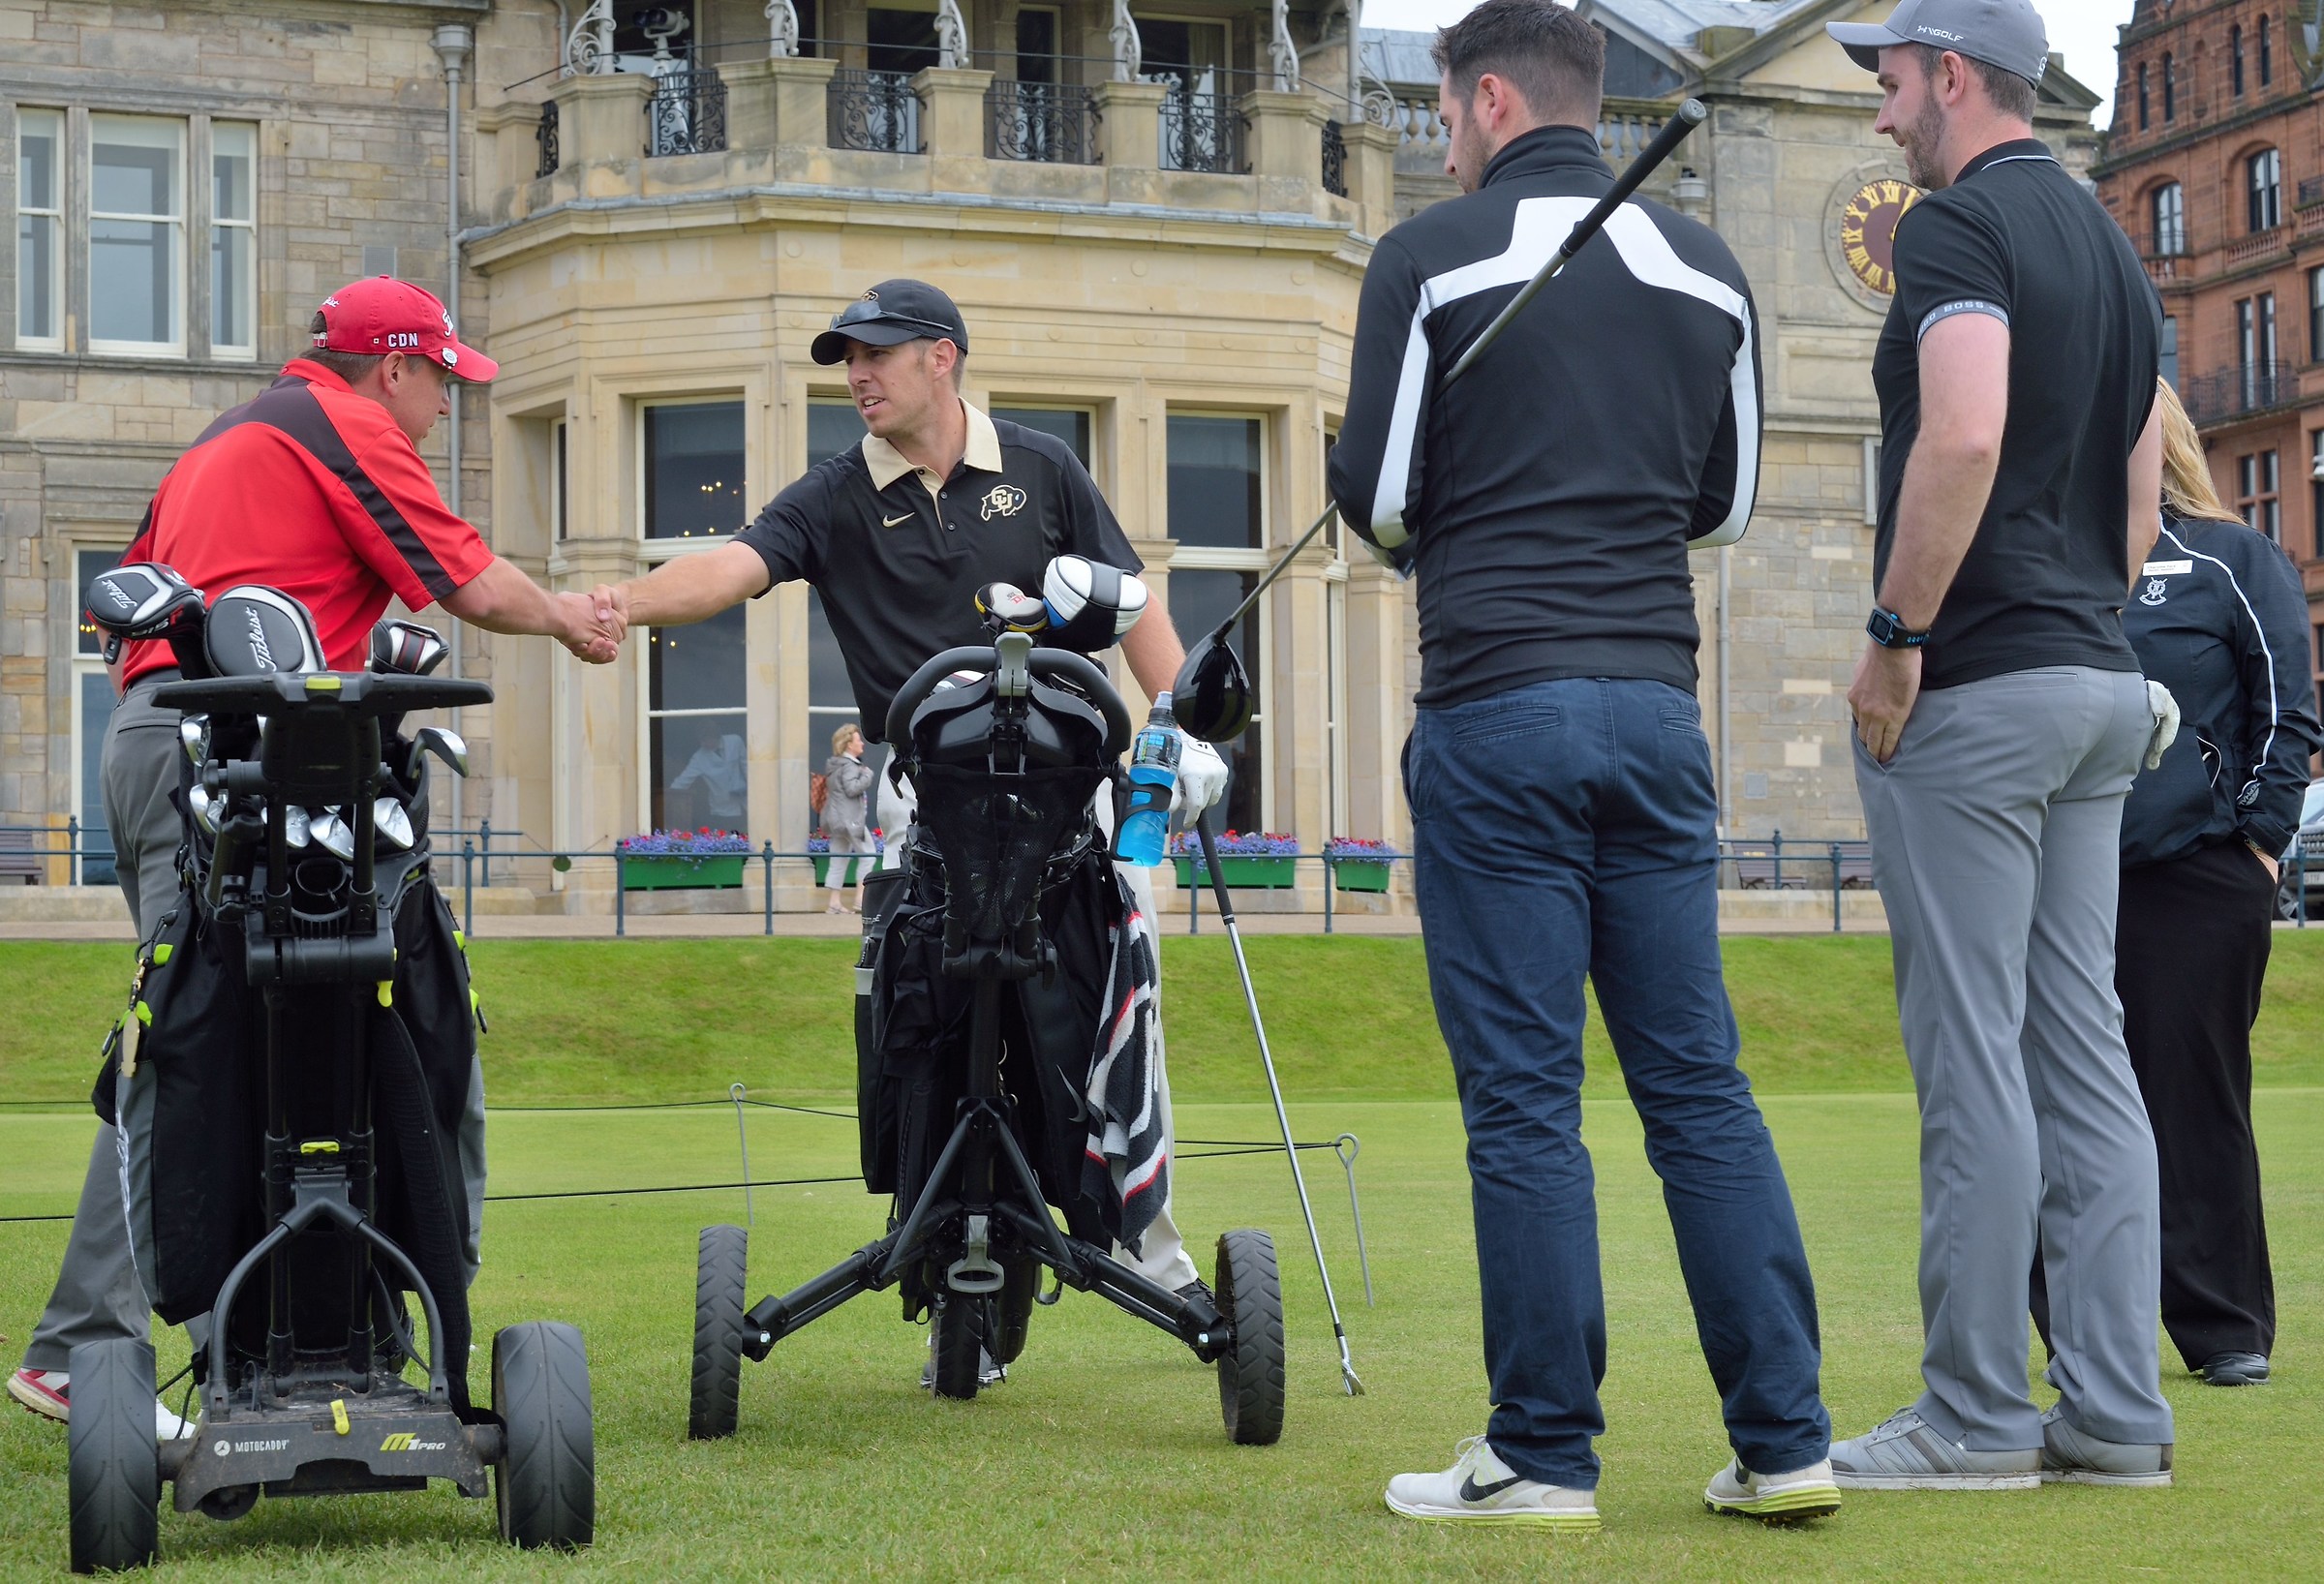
(442, 742)
(146, 601)
(1208, 682)
(193, 731)
(295, 827)
(331, 832)
(1298, 1181)
(393, 821)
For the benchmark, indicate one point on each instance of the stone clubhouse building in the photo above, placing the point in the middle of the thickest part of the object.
(1155, 220)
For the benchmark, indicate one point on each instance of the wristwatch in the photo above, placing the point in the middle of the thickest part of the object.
(1887, 629)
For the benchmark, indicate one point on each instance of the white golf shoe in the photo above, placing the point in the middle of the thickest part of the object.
(1774, 1498)
(1479, 1488)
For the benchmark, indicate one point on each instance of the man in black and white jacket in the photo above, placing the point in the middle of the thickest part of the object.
(1563, 820)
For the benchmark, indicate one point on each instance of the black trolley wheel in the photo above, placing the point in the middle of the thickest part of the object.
(722, 1259)
(1250, 1373)
(958, 1321)
(546, 1484)
(114, 1472)
(1019, 1287)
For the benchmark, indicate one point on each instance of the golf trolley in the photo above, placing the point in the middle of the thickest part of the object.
(289, 1081)
(1005, 745)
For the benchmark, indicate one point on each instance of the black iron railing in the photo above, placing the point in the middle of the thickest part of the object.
(546, 134)
(1336, 160)
(1053, 123)
(2248, 387)
(1202, 132)
(2168, 244)
(876, 111)
(686, 114)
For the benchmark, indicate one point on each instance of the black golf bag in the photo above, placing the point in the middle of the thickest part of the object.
(188, 1089)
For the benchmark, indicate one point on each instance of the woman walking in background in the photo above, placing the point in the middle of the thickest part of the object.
(845, 780)
(2218, 615)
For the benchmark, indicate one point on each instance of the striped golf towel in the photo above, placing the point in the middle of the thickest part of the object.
(1126, 1163)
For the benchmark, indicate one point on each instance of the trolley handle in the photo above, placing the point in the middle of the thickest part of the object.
(1078, 669)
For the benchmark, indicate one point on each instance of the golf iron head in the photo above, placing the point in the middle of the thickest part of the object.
(333, 834)
(193, 731)
(393, 822)
(295, 834)
(442, 742)
(204, 809)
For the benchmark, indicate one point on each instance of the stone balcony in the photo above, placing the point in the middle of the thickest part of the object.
(764, 134)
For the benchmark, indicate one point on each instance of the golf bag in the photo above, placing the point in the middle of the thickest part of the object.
(218, 992)
(1008, 875)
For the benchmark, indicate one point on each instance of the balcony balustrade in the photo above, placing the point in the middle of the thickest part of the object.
(686, 114)
(2239, 392)
(876, 111)
(1049, 123)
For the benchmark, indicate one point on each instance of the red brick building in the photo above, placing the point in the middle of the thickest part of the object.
(2214, 166)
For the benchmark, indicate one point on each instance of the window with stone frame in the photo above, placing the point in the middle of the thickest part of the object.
(2234, 60)
(2168, 210)
(2263, 191)
(2256, 498)
(2267, 63)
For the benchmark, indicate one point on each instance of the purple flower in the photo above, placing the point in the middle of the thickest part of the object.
(684, 844)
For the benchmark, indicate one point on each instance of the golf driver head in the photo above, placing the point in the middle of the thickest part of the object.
(407, 647)
(445, 744)
(1212, 697)
(193, 733)
(204, 809)
(333, 834)
(393, 821)
(296, 823)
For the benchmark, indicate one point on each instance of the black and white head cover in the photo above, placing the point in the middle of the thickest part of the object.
(254, 630)
(1090, 604)
(141, 599)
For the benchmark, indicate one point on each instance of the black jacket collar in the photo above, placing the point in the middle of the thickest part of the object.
(2017, 148)
(1545, 149)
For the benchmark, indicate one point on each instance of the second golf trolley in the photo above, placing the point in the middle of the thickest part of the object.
(290, 1082)
(970, 1040)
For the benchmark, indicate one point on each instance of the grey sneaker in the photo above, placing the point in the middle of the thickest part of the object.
(1906, 1454)
(2073, 1457)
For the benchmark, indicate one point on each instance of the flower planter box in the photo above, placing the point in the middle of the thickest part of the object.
(1243, 874)
(715, 873)
(1359, 874)
(859, 865)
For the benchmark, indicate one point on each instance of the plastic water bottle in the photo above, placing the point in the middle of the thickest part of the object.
(1154, 773)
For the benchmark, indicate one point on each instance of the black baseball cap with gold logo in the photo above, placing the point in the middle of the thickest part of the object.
(889, 315)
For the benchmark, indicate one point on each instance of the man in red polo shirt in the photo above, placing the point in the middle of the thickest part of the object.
(314, 487)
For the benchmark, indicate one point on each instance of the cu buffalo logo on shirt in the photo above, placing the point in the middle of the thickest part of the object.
(1003, 501)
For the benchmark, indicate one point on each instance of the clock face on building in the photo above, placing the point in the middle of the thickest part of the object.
(1868, 230)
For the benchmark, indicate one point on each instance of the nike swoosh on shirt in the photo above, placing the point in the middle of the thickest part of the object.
(891, 522)
(1471, 1491)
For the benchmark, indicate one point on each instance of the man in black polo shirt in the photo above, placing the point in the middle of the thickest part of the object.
(1999, 717)
(898, 535)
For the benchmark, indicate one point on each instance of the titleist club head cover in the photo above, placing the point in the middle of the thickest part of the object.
(256, 630)
(145, 600)
(407, 647)
(1090, 604)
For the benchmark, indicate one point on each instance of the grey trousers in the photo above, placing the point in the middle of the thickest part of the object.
(1994, 832)
(97, 1295)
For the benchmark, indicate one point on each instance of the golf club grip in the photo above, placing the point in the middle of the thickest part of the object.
(1689, 115)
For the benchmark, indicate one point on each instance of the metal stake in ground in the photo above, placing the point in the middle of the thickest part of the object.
(736, 1093)
(1226, 912)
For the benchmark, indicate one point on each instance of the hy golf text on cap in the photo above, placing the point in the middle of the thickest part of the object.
(384, 315)
(889, 315)
(2004, 33)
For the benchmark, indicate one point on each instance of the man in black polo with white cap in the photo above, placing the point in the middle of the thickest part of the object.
(1999, 717)
(899, 533)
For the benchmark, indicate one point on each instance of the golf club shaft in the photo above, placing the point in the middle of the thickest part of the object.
(1689, 115)
(1267, 1060)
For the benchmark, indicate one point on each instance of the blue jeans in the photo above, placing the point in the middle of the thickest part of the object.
(1567, 829)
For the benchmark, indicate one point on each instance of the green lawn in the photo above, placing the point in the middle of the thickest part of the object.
(1104, 1453)
(612, 1021)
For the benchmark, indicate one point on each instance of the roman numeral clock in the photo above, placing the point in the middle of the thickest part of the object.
(1862, 236)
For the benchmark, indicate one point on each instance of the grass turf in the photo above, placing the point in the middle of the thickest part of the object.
(1348, 1018)
(1103, 1454)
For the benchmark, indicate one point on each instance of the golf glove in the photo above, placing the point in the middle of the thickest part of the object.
(1202, 778)
(2165, 710)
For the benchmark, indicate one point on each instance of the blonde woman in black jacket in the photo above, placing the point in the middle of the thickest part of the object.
(2219, 616)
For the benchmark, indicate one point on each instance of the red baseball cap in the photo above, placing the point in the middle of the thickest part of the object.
(385, 314)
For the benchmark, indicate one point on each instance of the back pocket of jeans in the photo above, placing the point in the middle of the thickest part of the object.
(1519, 723)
